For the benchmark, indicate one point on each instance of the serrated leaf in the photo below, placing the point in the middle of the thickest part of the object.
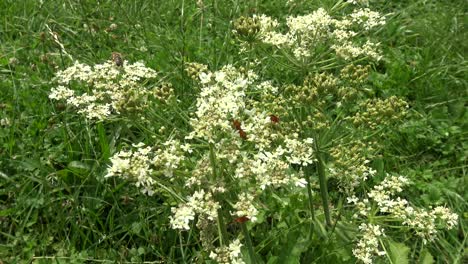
(426, 257)
(398, 252)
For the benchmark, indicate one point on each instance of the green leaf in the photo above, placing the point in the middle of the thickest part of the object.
(398, 252)
(293, 249)
(30, 164)
(426, 257)
(141, 251)
(272, 260)
(6, 212)
(320, 229)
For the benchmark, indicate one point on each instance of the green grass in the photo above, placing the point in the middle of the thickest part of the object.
(54, 200)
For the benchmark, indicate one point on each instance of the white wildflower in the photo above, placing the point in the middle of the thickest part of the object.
(230, 254)
(367, 18)
(5, 122)
(181, 217)
(103, 89)
(133, 166)
(368, 246)
(204, 203)
(245, 207)
(169, 157)
(300, 153)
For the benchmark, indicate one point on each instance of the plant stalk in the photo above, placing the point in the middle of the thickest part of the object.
(309, 193)
(248, 243)
(311, 204)
(222, 232)
(323, 185)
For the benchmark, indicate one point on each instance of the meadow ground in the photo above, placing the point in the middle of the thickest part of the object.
(296, 170)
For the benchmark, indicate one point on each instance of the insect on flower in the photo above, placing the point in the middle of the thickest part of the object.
(117, 58)
(242, 134)
(241, 219)
(274, 119)
(236, 124)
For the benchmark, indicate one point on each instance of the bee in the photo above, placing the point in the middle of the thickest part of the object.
(117, 58)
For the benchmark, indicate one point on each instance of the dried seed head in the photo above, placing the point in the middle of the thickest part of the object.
(246, 27)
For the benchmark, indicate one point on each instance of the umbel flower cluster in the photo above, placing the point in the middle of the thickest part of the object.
(250, 143)
(254, 147)
(142, 163)
(382, 200)
(317, 30)
(228, 255)
(368, 246)
(103, 90)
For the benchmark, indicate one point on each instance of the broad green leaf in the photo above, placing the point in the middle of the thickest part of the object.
(398, 252)
(426, 257)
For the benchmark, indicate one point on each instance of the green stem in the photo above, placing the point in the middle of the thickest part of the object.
(170, 191)
(340, 210)
(222, 232)
(323, 185)
(387, 255)
(248, 243)
(181, 246)
(202, 10)
(213, 162)
(311, 204)
(214, 34)
(309, 193)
